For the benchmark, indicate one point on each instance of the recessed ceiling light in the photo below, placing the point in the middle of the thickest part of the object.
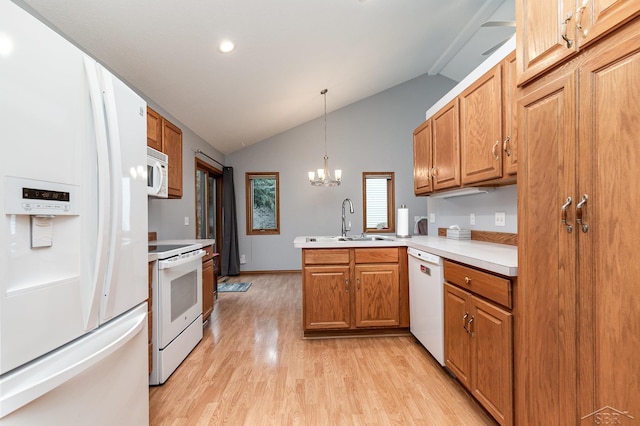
(226, 46)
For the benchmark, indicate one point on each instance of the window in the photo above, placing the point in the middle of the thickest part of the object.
(378, 202)
(208, 202)
(263, 203)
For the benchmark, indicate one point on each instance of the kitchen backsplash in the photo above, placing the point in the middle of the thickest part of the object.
(484, 206)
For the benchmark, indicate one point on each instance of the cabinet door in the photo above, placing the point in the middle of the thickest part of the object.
(422, 159)
(492, 366)
(154, 130)
(326, 301)
(609, 310)
(207, 289)
(481, 128)
(457, 354)
(446, 147)
(509, 116)
(540, 27)
(377, 295)
(172, 146)
(596, 18)
(546, 392)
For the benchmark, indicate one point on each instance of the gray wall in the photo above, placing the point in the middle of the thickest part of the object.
(373, 135)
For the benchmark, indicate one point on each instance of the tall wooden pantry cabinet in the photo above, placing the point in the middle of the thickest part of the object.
(577, 328)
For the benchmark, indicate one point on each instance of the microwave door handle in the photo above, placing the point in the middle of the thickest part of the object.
(158, 172)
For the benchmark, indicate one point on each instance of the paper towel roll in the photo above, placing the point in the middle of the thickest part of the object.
(403, 222)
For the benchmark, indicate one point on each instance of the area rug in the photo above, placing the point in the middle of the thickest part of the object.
(233, 287)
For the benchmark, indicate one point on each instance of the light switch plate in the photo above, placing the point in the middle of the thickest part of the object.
(432, 217)
(472, 219)
(501, 218)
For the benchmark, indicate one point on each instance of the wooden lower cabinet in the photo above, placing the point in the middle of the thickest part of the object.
(327, 299)
(355, 289)
(209, 281)
(478, 336)
(377, 295)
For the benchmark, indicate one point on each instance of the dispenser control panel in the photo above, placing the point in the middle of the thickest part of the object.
(36, 197)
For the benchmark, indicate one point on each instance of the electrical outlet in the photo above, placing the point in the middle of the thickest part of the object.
(186, 221)
(432, 217)
(501, 218)
(472, 219)
(243, 259)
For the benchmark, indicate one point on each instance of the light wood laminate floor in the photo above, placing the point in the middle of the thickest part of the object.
(253, 368)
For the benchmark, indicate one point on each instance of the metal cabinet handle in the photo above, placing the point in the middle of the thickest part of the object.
(564, 215)
(493, 150)
(464, 321)
(469, 326)
(582, 202)
(579, 12)
(358, 282)
(565, 37)
(505, 146)
(433, 172)
(346, 285)
(467, 280)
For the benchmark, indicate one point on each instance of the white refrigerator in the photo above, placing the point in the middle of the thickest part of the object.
(73, 268)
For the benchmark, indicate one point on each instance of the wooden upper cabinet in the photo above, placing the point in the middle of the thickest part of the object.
(172, 146)
(154, 129)
(422, 159)
(596, 18)
(509, 116)
(167, 138)
(540, 28)
(481, 128)
(550, 31)
(446, 147)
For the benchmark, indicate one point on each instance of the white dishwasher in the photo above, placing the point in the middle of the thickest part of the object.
(426, 280)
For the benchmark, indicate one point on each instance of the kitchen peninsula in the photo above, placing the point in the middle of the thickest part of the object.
(360, 286)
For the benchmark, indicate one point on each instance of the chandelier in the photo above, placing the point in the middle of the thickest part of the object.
(324, 177)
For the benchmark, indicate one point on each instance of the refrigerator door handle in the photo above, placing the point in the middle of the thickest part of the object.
(113, 141)
(104, 190)
(28, 383)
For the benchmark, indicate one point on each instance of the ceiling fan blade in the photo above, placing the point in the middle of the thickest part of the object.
(499, 24)
(496, 47)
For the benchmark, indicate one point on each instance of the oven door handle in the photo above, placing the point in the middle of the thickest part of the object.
(168, 264)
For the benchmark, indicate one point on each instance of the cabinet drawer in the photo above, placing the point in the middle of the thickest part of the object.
(209, 254)
(377, 255)
(493, 287)
(325, 256)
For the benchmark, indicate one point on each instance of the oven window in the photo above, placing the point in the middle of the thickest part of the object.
(184, 294)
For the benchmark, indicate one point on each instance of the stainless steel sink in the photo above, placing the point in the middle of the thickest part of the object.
(348, 238)
(366, 238)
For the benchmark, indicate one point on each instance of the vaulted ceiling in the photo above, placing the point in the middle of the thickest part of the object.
(286, 52)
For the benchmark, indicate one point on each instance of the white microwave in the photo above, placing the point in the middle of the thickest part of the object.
(157, 173)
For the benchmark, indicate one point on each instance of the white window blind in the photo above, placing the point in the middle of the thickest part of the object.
(377, 196)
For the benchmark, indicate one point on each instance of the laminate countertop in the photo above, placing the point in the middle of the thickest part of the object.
(499, 258)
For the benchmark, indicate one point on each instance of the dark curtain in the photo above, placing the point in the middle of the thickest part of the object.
(230, 261)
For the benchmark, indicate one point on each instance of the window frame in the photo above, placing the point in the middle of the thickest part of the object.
(201, 165)
(391, 217)
(250, 176)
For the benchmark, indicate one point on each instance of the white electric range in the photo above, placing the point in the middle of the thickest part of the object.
(176, 306)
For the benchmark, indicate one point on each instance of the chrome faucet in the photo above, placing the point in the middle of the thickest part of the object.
(346, 228)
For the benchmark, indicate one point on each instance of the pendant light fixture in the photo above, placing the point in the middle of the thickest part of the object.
(324, 177)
